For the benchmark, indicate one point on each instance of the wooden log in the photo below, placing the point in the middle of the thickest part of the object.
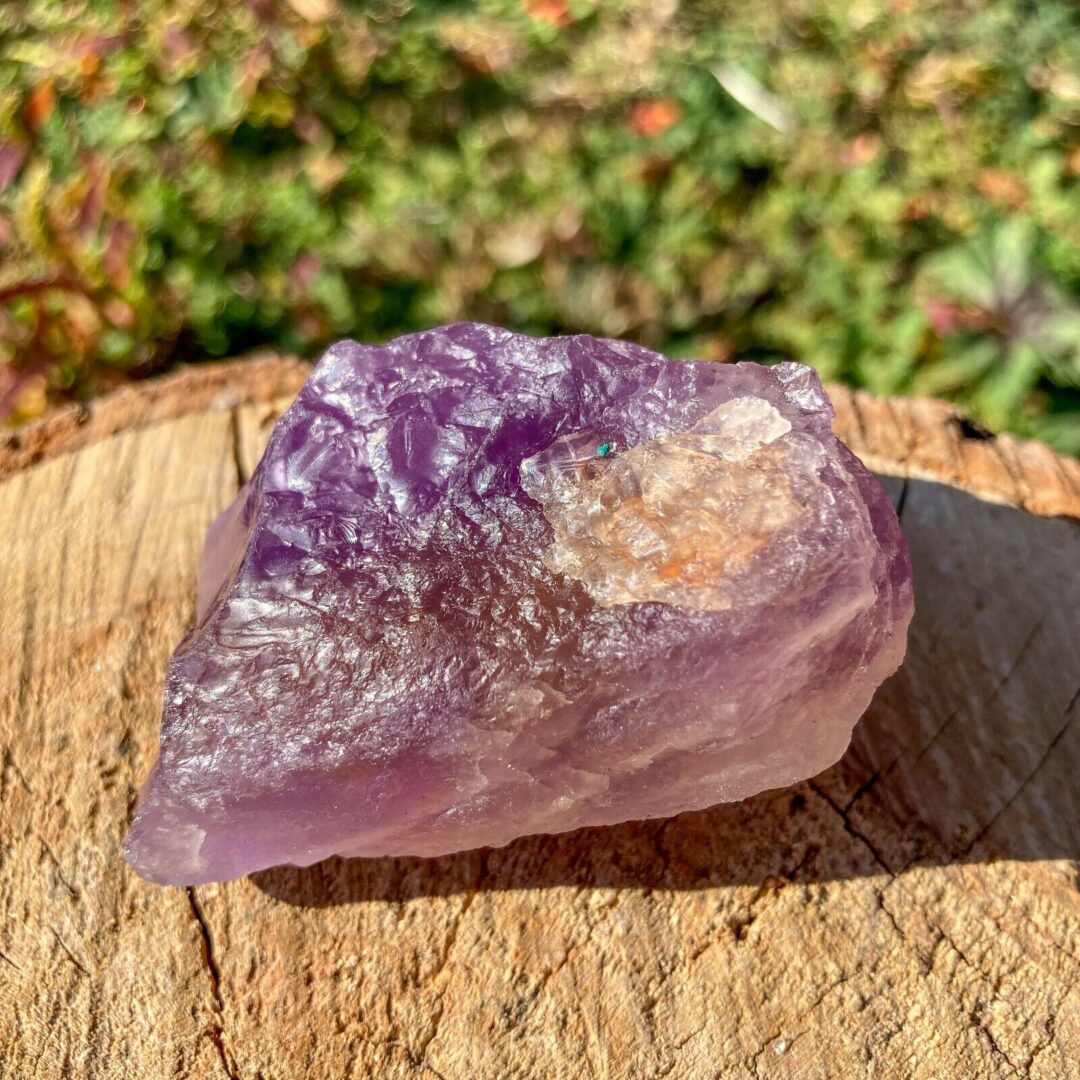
(913, 912)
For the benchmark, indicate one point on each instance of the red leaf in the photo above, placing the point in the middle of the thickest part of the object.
(40, 103)
(946, 317)
(556, 12)
(1002, 187)
(651, 118)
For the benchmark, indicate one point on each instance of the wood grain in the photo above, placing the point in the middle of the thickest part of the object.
(913, 912)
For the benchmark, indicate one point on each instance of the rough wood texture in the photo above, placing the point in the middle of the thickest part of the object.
(914, 912)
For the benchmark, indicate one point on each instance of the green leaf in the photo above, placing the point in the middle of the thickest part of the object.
(1010, 383)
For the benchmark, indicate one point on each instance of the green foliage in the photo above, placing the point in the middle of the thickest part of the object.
(886, 190)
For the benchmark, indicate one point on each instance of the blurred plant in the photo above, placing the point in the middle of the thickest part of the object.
(1013, 332)
(192, 178)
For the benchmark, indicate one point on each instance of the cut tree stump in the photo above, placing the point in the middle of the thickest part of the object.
(912, 912)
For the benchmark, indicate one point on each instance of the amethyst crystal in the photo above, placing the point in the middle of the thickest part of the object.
(483, 585)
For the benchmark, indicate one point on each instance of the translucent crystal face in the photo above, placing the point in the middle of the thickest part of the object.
(483, 585)
(680, 519)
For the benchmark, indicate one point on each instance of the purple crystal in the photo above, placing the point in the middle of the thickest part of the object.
(483, 585)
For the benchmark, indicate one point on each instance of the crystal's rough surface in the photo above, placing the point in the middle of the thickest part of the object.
(483, 585)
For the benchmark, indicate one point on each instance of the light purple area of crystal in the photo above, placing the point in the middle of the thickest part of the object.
(383, 664)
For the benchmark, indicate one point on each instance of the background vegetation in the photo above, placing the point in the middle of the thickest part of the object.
(886, 189)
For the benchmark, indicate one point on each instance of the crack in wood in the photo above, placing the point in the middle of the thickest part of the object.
(886, 771)
(849, 827)
(72, 891)
(69, 954)
(901, 502)
(1043, 759)
(217, 1029)
(237, 444)
(11, 763)
(994, 695)
(420, 1057)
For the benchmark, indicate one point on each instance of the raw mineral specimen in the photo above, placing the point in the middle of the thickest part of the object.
(483, 585)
